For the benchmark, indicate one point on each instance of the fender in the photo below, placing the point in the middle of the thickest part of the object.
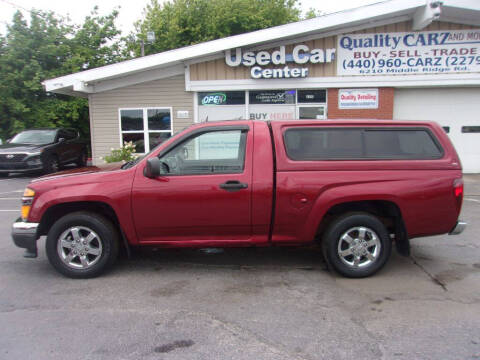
(337, 195)
(117, 196)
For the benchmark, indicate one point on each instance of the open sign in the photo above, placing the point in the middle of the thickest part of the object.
(214, 99)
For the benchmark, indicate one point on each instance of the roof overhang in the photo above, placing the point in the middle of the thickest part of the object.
(172, 62)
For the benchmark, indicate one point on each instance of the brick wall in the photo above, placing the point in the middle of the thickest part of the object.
(384, 111)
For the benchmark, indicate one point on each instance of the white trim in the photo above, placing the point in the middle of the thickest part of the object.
(146, 131)
(425, 15)
(195, 107)
(247, 105)
(187, 75)
(443, 80)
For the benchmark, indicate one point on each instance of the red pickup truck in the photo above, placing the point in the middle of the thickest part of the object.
(353, 186)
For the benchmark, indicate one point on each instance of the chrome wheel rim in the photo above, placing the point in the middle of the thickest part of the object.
(359, 247)
(79, 247)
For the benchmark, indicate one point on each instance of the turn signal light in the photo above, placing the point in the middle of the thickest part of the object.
(25, 212)
(27, 201)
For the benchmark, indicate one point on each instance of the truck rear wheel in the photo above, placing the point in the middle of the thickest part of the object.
(82, 245)
(356, 245)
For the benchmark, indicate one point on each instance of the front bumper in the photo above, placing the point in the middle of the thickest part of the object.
(458, 229)
(25, 235)
(19, 168)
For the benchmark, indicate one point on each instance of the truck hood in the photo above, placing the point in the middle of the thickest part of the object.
(80, 171)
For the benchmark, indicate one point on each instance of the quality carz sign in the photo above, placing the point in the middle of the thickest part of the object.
(427, 52)
(358, 99)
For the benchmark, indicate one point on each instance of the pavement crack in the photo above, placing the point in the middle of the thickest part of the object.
(430, 275)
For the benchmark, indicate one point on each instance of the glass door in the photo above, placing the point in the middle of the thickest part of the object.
(309, 112)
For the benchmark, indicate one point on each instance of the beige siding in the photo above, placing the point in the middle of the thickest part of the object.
(104, 118)
(219, 70)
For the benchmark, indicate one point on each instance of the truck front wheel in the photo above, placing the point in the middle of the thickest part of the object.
(82, 245)
(356, 245)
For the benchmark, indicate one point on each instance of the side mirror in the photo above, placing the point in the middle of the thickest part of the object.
(153, 168)
(61, 140)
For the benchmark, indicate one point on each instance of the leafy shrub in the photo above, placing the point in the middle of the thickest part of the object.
(125, 153)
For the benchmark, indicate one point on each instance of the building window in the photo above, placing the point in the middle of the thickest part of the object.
(145, 127)
(272, 105)
(312, 96)
(470, 129)
(221, 105)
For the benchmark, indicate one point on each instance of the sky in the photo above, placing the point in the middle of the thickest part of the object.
(131, 10)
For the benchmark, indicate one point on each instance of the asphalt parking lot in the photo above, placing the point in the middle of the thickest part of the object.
(244, 303)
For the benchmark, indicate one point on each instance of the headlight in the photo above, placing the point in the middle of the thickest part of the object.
(34, 160)
(27, 201)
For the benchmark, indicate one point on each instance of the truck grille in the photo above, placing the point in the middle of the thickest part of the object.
(12, 158)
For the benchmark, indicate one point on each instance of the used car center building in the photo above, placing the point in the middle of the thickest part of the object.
(396, 59)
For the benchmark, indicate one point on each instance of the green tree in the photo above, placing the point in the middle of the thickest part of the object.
(47, 47)
(180, 23)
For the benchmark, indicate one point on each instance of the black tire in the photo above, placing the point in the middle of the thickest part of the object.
(4, 174)
(107, 240)
(51, 164)
(336, 242)
(82, 159)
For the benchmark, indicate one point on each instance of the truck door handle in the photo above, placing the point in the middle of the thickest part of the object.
(233, 185)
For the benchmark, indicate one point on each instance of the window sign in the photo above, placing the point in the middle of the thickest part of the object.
(358, 99)
(312, 96)
(221, 113)
(221, 98)
(272, 112)
(272, 97)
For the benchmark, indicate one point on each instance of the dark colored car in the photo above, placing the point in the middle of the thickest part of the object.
(42, 150)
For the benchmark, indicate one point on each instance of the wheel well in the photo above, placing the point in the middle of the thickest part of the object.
(57, 211)
(386, 211)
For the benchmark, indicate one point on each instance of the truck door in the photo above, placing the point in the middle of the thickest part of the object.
(204, 192)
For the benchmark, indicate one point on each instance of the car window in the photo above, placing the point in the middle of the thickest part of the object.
(70, 134)
(208, 153)
(36, 137)
(360, 143)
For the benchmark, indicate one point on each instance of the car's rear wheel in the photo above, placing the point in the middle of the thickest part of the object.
(4, 174)
(51, 164)
(82, 245)
(356, 245)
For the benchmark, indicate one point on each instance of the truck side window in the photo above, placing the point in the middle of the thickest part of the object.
(220, 152)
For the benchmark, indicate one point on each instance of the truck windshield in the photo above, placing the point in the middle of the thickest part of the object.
(36, 137)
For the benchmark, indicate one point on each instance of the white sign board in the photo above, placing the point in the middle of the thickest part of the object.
(358, 99)
(427, 52)
(183, 114)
